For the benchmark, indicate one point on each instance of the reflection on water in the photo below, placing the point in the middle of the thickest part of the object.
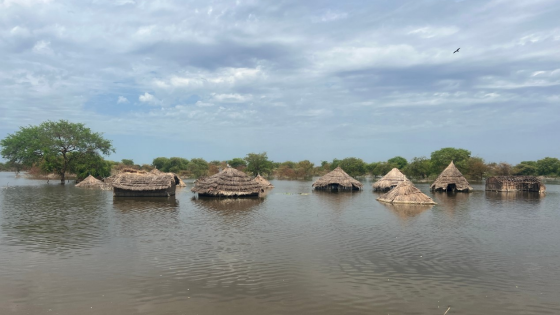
(68, 251)
(53, 218)
(406, 211)
(529, 196)
(451, 201)
(126, 204)
(227, 205)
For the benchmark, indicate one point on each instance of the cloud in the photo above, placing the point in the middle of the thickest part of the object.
(123, 100)
(352, 70)
(148, 98)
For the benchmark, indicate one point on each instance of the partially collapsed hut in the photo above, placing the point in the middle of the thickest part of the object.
(390, 180)
(92, 182)
(515, 183)
(227, 183)
(406, 193)
(158, 172)
(451, 179)
(263, 182)
(136, 183)
(337, 179)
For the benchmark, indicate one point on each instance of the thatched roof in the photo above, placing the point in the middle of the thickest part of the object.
(263, 182)
(227, 183)
(91, 182)
(392, 179)
(144, 181)
(451, 175)
(406, 193)
(158, 172)
(337, 177)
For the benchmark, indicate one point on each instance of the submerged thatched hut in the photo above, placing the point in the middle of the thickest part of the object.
(92, 182)
(406, 193)
(263, 182)
(389, 181)
(451, 179)
(515, 183)
(337, 180)
(227, 183)
(135, 183)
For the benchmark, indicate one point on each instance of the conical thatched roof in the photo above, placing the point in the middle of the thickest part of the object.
(390, 180)
(449, 177)
(227, 183)
(406, 193)
(144, 181)
(155, 171)
(91, 182)
(337, 177)
(263, 182)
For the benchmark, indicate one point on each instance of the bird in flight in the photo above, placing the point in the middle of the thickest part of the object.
(456, 51)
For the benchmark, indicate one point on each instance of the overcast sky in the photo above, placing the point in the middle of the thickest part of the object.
(298, 79)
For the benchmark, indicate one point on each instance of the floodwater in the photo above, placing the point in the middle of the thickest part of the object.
(65, 250)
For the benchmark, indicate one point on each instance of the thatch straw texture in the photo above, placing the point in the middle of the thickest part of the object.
(389, 181)
(451, 179)
(181, 183)
(406, 193)
(515, 183)
(263, 182)
(143, 184)
(337, 179)
(91, 182)
(227, 183)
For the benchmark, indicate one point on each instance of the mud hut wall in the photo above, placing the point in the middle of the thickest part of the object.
(497, 184)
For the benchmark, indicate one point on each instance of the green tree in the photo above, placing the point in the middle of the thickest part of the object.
(441, 158)
(198, 168)
(526, 168)
(419, 167)
(176, 165)
(398, 161)
(258, 163)
(382, 168)
(477, 168)
(127, 162)
(53, 144)
(160, 163)
(91, 164)
(237, 162)
(334, 164)
(304, 169)
(353, 166)
(548, 167)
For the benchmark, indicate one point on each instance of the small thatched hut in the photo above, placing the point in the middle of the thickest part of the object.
(337, 179)
(515, 183)
(158, 172)
(263, 182)
(135, 183)
(406, 193)
(389, 181)
(451, 179)
(227, 183)
(92, 182)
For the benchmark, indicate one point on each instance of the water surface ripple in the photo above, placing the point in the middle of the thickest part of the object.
(65, 250)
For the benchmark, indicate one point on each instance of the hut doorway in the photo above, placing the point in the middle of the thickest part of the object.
(451, 188)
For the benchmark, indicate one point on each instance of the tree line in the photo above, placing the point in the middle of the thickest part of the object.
(63, 147)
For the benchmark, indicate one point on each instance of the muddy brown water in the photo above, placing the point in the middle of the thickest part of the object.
(65, 250)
